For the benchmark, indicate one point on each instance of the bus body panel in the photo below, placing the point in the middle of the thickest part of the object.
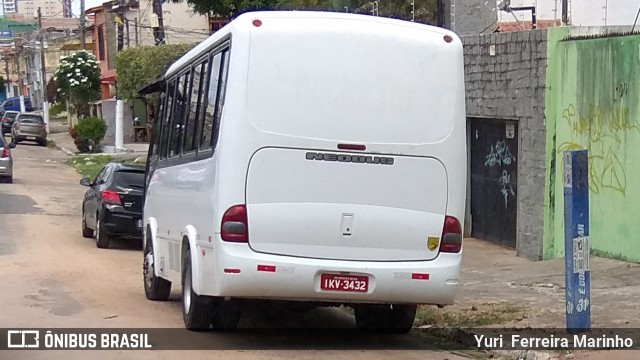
(319, 205)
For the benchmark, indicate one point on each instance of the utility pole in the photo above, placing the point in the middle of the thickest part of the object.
(157, 23)
(83, 34)
(45, 104)
(135, 26)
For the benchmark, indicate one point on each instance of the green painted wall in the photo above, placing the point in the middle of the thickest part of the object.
(592, 100)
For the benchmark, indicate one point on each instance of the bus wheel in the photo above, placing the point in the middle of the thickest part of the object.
(395, 319)
(226, 316)
(155, 288)
(196, 309)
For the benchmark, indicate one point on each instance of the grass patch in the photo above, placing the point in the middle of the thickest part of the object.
(51, 144)
(469, 318)
(90, 166)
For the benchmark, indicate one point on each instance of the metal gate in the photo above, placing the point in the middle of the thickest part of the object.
(494, 175)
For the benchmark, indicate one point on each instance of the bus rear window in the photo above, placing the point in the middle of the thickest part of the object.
(362, 88)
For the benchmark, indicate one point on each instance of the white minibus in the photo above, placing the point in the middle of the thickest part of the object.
(309, 157)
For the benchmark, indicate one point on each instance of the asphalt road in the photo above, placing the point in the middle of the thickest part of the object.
(52, 277)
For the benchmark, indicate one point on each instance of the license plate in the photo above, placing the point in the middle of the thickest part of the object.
(140, 223)
(31, 137)
(346, 283)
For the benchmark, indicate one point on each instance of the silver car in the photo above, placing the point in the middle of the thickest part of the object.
(29, 126)
(6, 161)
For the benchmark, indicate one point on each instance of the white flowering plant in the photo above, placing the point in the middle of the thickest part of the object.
(78, 79)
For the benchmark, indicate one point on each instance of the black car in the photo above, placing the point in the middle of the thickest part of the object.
(113, 204)
(7, 119)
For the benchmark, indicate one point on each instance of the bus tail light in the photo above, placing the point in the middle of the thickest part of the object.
(234, 225)
(451, 236)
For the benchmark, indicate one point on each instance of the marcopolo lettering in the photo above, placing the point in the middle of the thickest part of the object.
(350, 158)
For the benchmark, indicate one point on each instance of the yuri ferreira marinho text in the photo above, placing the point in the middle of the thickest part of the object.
(577, 341)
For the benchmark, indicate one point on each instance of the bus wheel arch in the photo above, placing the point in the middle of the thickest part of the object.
(155, 287)
(196, 309)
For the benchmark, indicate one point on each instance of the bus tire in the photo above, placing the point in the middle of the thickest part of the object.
(395, 319)
(226, 316)
(155, 288)
(196, 309)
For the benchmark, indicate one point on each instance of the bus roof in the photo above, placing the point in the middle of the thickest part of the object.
(244, 23)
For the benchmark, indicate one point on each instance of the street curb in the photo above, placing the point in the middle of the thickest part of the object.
(64, 150)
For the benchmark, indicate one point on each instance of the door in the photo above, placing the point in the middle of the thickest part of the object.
(494, 178)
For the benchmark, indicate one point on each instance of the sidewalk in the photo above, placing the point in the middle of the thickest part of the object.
(64, 142)
(493, 275)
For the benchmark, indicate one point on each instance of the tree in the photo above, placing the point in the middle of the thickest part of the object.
(51, 90)
(140, 65)
(78, 80)
(425, 10)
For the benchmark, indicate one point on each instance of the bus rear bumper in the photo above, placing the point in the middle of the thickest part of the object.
(244, 273)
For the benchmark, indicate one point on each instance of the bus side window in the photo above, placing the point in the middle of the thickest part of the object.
(215, 99)
(166, 120)
(157, 125)
(181, 105)
(199, 79)
(221, 96)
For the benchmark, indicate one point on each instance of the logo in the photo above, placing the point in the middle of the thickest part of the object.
(23, 339)
(351, 158)
(432, 242)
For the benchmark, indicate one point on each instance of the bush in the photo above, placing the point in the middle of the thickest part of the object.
(56, 109)
(88, 134)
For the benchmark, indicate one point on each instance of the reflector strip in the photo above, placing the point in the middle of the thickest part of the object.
(267, 268)
(232, 271)
(418, 276)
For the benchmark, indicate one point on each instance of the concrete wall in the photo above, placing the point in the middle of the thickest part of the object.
(182, 25)
(593, 103)
(505, 76)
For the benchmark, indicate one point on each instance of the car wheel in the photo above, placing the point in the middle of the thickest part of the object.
(102, 238)
(43, 143)
(86, 232)
(155, 288)
(196, 309)
(395, 319)
(9, 180)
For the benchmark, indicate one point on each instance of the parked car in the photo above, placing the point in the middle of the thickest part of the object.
(7, 121)
(6, 161)
(29, 126)
(13, 104)
(113, 204)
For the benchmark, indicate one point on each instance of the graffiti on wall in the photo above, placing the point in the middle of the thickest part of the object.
(500, 155)
(601, 131)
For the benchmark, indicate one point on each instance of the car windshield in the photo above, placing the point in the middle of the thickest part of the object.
(31, 119)
(129, 179)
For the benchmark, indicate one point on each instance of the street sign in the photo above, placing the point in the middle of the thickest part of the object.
(576, 240)
(6, 33)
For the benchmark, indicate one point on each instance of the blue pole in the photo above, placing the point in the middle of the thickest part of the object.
(576, 240)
